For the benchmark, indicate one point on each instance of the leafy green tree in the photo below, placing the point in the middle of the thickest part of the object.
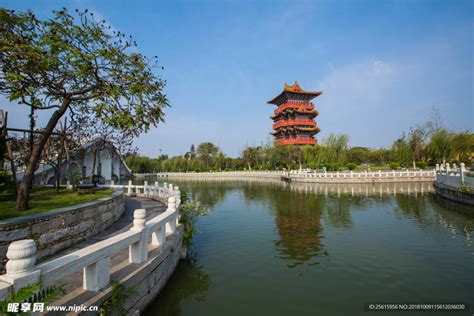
(76, 63)
(439, 146)
(416, 139)
(401, 151)
(358, 155)
(207, 152)
(463, 146)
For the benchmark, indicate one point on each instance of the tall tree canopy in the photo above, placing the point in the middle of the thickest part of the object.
(77, 64)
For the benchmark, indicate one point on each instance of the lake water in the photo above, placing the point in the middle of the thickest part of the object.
(304, 249)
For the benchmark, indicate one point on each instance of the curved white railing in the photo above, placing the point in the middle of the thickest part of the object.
(94, 260)
(454, 176)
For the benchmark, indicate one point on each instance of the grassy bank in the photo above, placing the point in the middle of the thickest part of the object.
(46, 199)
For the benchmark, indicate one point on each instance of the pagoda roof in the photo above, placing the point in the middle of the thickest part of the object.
(293, 92)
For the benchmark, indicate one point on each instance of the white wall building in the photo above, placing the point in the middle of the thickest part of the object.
(109, 165)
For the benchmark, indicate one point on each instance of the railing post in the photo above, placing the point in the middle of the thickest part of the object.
(171, 225)
(20, 267)
(138, 252)
(129, 191)
(96, 276)
(145, 188)
(463, 168)
(447, 173)
(177, 195)
(68, 185)
(112, 183)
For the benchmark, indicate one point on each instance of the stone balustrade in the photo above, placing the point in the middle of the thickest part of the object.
(455, 184)
(94, 260)
(454, 176)
(310, 176)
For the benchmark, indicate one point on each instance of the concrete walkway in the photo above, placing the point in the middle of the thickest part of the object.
(72, 284)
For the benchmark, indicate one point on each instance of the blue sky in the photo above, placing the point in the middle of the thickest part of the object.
(382, 65)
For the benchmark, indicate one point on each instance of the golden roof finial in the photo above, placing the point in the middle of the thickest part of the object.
(294, 88)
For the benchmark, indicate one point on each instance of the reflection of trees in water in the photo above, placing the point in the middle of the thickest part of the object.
(430, 210)
(338, 211)
(188, 281)
(458, 218)
(413, 206)
(208, 193)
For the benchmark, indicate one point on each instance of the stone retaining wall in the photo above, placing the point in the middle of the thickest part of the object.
(58, 229)
(454, 194)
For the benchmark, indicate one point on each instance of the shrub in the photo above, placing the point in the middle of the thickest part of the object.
(421, 164)
(331, 166)
(394, 165)
(351, 166)
(189, 211)
(6, 180)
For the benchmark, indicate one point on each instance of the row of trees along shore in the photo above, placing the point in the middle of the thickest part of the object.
(421, 147)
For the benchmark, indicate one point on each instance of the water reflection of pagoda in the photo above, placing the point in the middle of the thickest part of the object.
(299, 227)
(294, 122)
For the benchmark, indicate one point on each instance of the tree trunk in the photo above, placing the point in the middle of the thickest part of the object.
(57, 175)
(12, 165)
(23, 196)
(93, 164)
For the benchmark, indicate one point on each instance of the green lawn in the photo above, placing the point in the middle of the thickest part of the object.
(46, 199)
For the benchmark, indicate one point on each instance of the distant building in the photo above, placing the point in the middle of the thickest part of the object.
(294, 119)
(109, 165)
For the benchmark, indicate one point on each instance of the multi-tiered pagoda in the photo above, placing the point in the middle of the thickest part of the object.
(294, 122)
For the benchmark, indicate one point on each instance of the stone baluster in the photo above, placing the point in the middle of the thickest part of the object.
(145, 188)
(129, 191)
(177, 195)
(448, 169)
(96, 276)
(112, 183)
(463, 169)
(138, 252)
(171, 225)
(68, 185)
(20, 268)
(158, 237)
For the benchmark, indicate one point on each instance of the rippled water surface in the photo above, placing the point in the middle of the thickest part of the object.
(280, 249)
